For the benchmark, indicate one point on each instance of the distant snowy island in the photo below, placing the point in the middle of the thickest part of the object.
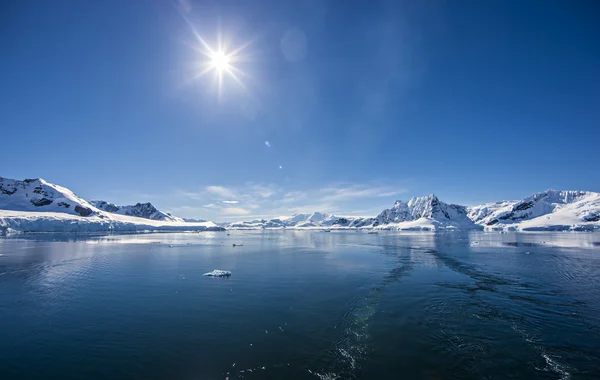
(35, 205)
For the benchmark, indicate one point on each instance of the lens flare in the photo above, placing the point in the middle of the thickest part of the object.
(220, 60)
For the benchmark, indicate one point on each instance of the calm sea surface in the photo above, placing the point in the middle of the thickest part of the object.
(301, 305)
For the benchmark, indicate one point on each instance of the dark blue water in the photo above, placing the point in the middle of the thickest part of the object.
(301, 305)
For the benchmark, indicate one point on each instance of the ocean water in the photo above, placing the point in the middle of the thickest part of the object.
(301, 305)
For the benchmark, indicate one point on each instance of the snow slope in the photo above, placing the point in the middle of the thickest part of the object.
(549, 210)
(140, 210)
(40, 196)
(32, 221)
(34, 205)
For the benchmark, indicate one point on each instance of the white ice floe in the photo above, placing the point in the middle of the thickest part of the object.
(218, 273)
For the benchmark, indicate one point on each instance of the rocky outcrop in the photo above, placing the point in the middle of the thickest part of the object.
(140, 210)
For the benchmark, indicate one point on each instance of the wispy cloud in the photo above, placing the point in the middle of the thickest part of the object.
(235, 211)
(252, 200)
(349, 192)
(389, 194)
(220, 191)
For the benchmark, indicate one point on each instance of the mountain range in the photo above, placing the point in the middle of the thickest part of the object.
(35, 205)
(550, 210)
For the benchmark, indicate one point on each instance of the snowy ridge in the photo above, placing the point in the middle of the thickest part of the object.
(424, 213)
(548, 210)
(315, 220)
(140, 210)
(40, 196)
(188, 220)
(34, 205)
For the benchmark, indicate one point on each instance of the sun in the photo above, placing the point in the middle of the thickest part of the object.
(220, 61)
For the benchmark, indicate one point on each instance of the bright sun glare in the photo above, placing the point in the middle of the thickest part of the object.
(220, 60)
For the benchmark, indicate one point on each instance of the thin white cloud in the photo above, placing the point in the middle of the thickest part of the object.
(388, 194)
(231, 202)
(210, 205)
(220, 191)
(267, 144)
(346, 193)
(235, 211)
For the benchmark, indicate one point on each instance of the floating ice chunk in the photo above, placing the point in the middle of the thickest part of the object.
(218, 273)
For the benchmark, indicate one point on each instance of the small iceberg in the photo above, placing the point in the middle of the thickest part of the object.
(218, 273)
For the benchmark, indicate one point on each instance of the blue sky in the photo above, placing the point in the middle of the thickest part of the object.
(361, 102)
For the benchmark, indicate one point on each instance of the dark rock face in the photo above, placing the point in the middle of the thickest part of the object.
(83, 211)
(492, 222)
(63, 204)
(595, 217)
(341, 222)
(143, 210)
(108, 207)
(512, 216)
(41, 202)
(8, 190)
(523, 206)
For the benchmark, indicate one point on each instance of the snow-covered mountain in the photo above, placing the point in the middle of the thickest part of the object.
(311, 220)
(548, 210)
(188, 220)
(40, 196)
(34, 205)
(140, 210)
(424, 213)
